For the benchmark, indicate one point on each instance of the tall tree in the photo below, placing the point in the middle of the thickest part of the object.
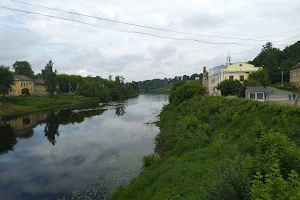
(49, 77)
(6, 81)
(23, 68)
(261, 76)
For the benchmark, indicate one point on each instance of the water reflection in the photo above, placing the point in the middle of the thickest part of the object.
(120, 110)
(51, 128)
(8, 137)
(23, 127)
(100, 149)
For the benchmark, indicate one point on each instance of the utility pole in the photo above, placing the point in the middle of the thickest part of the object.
(282, 78)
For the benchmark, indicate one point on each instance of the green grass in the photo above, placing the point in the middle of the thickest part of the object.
(21, 104)
(214, 146)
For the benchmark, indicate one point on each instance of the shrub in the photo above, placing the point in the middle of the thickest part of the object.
(185, 92)
(229, 87)
(25, 91)
(149, 160)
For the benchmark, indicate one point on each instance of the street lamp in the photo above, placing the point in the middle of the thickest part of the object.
(281, 76)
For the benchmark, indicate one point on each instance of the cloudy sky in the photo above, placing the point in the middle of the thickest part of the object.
(88, 50)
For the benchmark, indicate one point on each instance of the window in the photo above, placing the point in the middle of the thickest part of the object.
(242, 78)
(252, 95)
(21, 84)
(231, 78)
(260, 95)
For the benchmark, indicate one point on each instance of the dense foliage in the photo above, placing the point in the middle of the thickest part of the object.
(104, 89)
(25, 91)
(23, 68)
(49, 76)
(261, 76)
(152, 85)
(231, 88)
(6, 81)
(274, 61)
(223, 149)
(182, 91)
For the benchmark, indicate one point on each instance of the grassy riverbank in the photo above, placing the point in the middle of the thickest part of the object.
(23, 104)
(222, 148)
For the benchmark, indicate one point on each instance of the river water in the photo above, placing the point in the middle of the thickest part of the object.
(60, 155)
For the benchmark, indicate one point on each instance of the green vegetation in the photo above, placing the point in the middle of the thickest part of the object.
(25, 91)
(159, 85)
(261, 76)
(222, 148)
(231, 88)
(22, 104)
(163, 90)
(274, 61)
(286, 86)
(23, 68)
(49, 77)
(6, 81)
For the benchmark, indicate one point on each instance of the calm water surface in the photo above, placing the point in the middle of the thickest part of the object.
(52, 155)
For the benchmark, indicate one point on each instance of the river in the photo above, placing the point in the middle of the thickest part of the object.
(58, 155)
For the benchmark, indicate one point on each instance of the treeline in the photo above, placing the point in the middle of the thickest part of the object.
(55, 83)
(274, 61)
(151, 85)
(216, 148)
(104, 89)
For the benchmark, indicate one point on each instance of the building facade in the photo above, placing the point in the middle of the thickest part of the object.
(295, 75)
(236, 71)
(35, 87)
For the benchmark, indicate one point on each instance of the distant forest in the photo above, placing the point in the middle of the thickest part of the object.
(151, 85)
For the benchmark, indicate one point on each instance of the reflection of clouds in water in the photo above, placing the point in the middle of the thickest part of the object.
(102, 144)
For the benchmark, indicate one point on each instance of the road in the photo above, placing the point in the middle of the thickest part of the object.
(279, 96)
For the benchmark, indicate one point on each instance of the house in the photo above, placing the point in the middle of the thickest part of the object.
(39, 87)
(295, 75)
(35, 87)
(237, 71)
(255, 93)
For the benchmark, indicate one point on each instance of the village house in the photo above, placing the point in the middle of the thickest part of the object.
(35, 87)
(237, 71)
(295, 75)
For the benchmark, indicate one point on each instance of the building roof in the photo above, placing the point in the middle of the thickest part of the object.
(296, 66)
(22, 78)
(39, 82)
(255, 89)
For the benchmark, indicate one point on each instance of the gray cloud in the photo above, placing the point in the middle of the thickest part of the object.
(86, 50)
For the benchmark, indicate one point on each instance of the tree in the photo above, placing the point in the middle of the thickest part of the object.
(229, 87)
(49, 77)
(23, 68)
(261, 76)
(186, 78)
(185, 92)
(193, 77)
(25, 91)
(6, 81)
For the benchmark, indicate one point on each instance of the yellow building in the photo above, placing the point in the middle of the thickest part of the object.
(295, 75)
(236, 71)
(35, 87)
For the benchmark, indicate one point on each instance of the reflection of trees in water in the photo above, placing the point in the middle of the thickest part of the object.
(8, 138)
(51, 128)
(26, 121)
(120, 110)
(25, 134)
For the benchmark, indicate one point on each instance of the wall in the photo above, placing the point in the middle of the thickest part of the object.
(295, 77)
(19, 85)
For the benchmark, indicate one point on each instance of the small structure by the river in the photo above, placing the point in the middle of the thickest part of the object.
(255, 93)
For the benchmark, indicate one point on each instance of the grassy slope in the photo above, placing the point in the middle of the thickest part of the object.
(194, 160)
(21, 104)
(163, 90)
(286, 86)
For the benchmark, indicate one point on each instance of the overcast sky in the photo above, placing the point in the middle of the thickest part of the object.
(86, 50)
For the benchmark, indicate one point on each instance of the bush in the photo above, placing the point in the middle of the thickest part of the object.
(149, 160)
(229, 87)
(185, 92)
(25, 91)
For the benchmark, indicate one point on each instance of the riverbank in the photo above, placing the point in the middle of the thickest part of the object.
(26, 104)
(221, 148)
